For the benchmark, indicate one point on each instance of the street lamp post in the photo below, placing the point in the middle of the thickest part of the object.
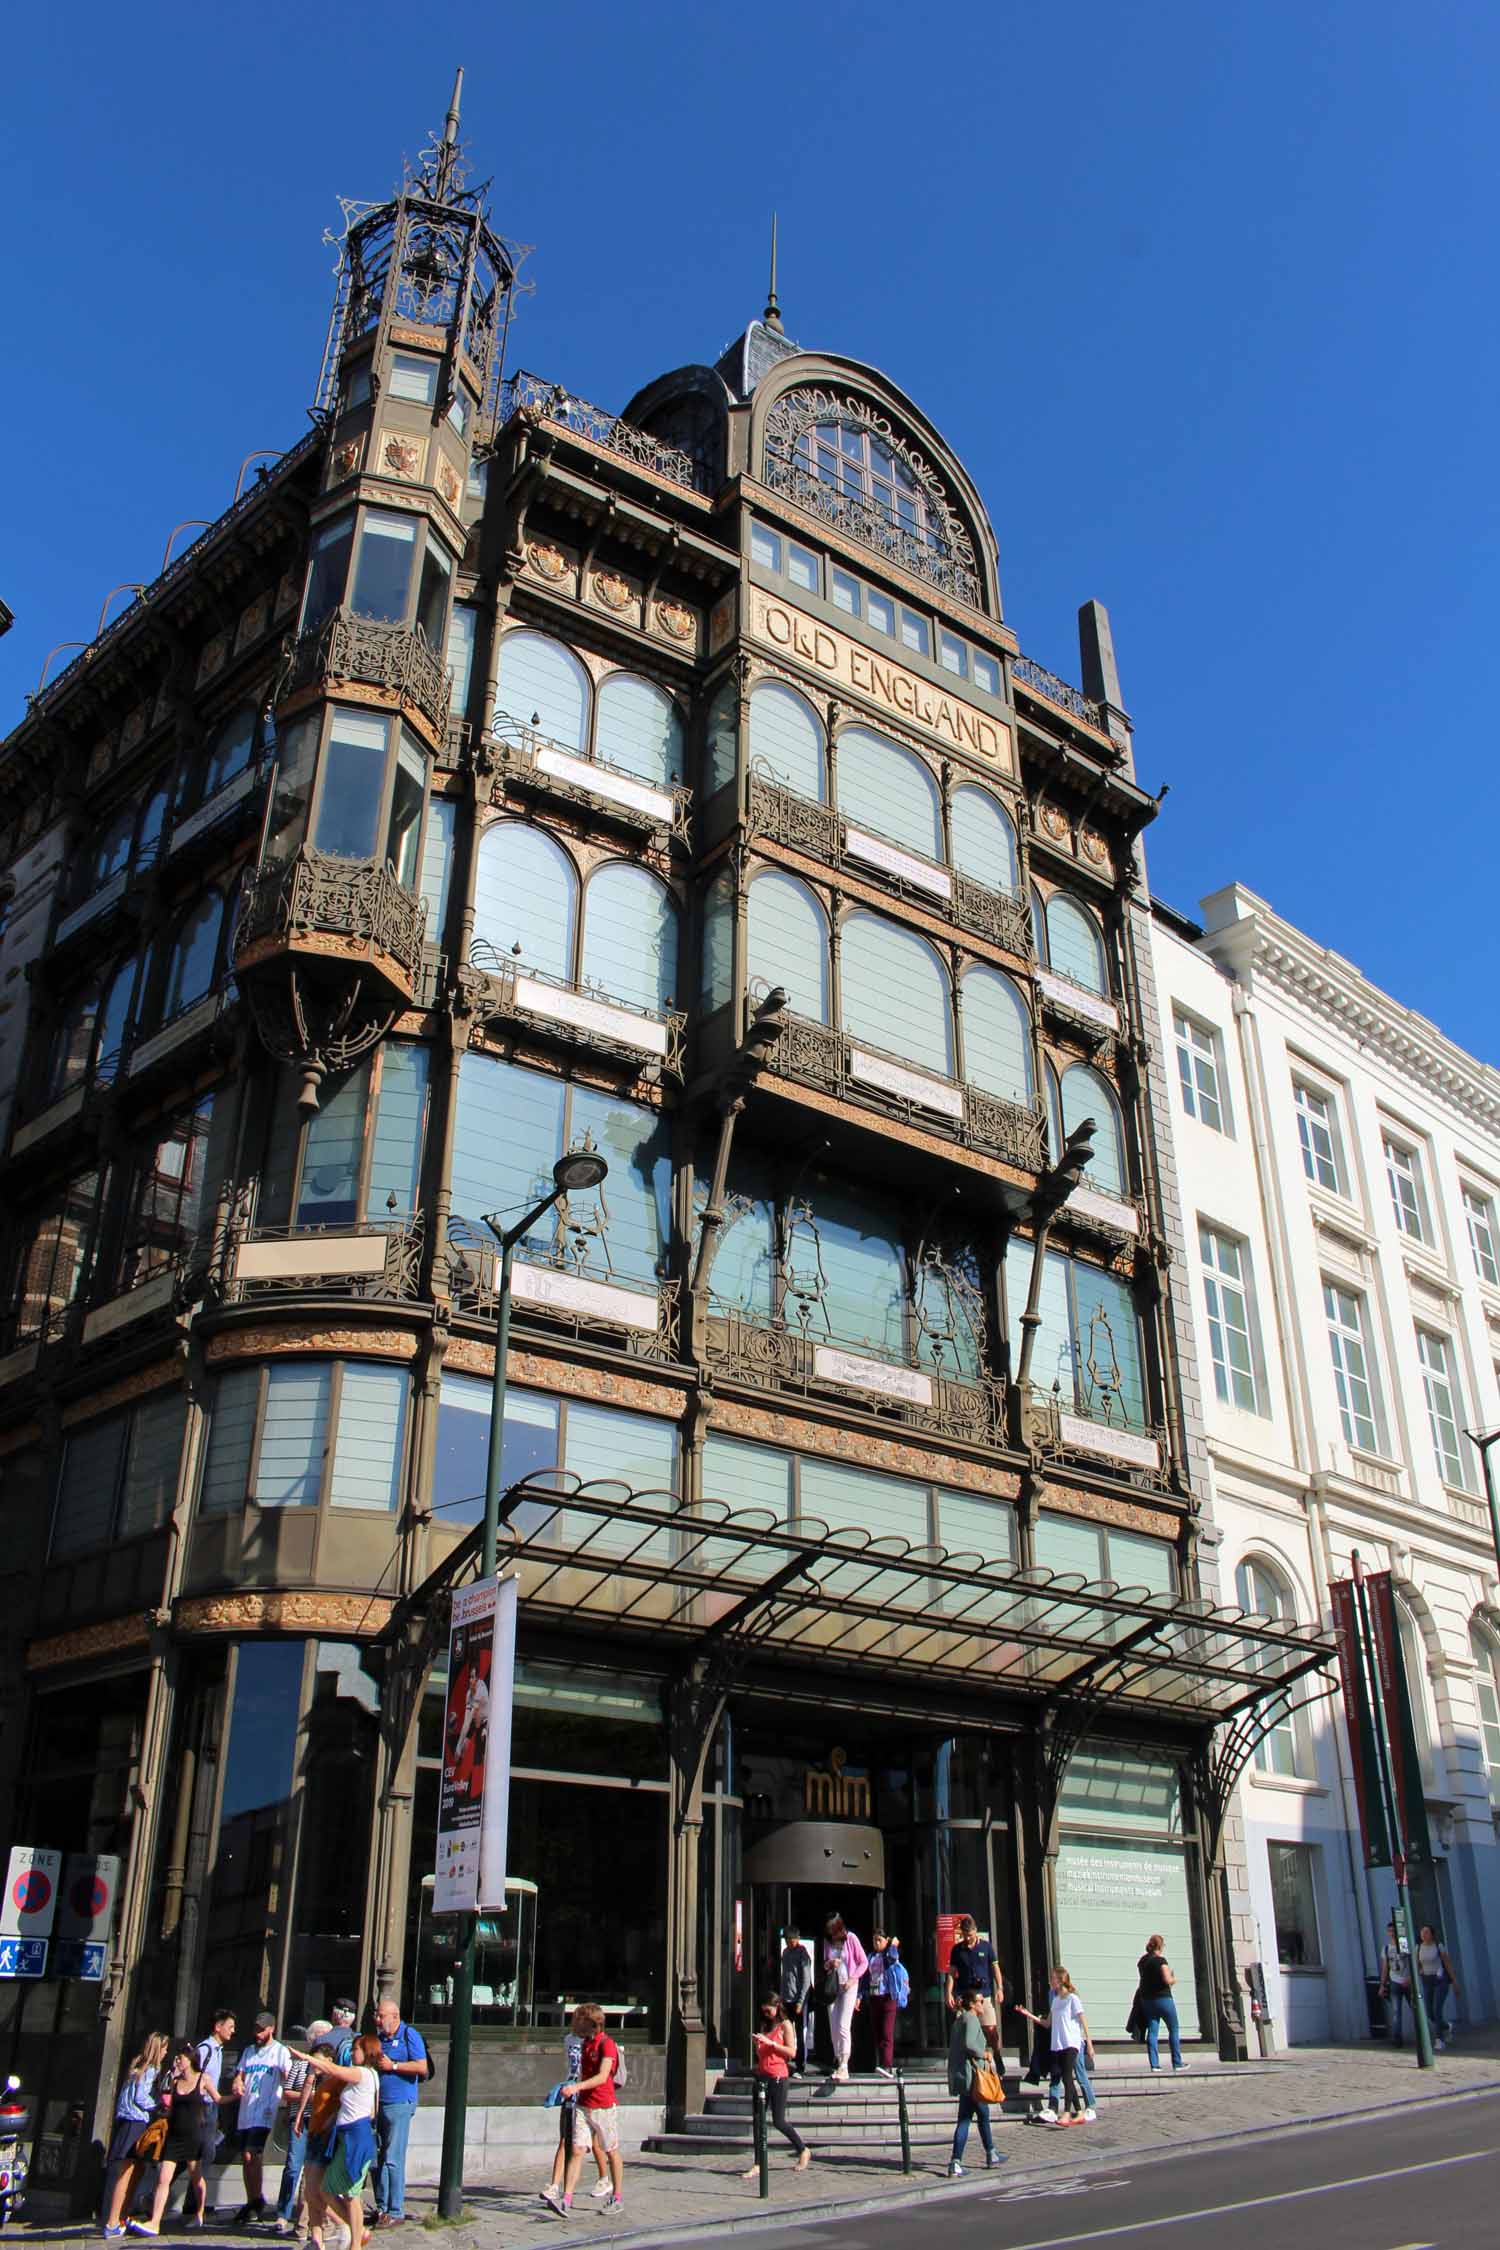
(1482, 1446)
(579, 1170)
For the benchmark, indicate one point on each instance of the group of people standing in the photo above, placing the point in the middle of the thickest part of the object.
(346, 2100)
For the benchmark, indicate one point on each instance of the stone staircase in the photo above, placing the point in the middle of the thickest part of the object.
(862, 2117)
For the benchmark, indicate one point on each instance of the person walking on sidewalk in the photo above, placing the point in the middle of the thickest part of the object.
(594, 2091)
(403, 2065)
(881, 1988)
(796, 1990)
(844, 1963)
(775, 2044)
(258, 2082)
(1157, 1978)
(180, 2092)
(1067, 2044)
(135, 2109)
(572, 2132)
(973, 2078)
(973, 1969)
(1395, 1984)
(1436, 1971)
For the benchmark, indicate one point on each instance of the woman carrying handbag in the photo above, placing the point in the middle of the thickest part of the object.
(136, 2116)
(972, 2076)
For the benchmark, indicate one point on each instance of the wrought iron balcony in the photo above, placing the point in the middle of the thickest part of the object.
(574, 1015)
(550, 402)
(355, 907)
(557, 1287)
(1091, 1430)
(532, 764)
(376, 1260)
(859, 517)
(1039, 681)
(369, 653)
(804, 1362)
(832, 1061)
(822, 832)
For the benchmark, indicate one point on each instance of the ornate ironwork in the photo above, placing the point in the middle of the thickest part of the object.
(494, 996)
(316, 892)
(804, 824)
(515, 753)
(1028, 674)
(817, 1055)
(542, 401)
(367, 650)
(943, 554)
(580, 1250)
(399, 1280)
(785, 1360)
(1042, 1419)
(1236, 1744)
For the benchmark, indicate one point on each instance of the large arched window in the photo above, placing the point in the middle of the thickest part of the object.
(997, 1036)
(110, 855)
(895, 992)
(194, 955)
(845, 1272)
(152, 821)
(114, 1017)
(1075, 945)
(788, 941)
(1419, 1688)
(542, 684)
(786, 740)
(1485, 1651)
(526, 896)
(984, 841)
(1264, 1591)
(639, 729)
(630, 936)
(1085, 1093)
(891, 790)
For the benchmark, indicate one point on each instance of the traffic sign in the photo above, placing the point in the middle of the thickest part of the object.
(86, 1898)
(23, 1956)
(79, 1957)
(30, 1900)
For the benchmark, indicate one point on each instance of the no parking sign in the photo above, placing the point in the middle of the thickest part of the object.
(31, 1884)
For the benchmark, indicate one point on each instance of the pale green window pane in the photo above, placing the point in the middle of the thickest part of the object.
(632, 1205)
(849, 1274)
(437, 865)
(542, 684)
(507, 1136)
(786, 740)
(747, 1476)
(788, 943)
(896, 993)
(367, 1457)
(152, 1460)
(997, 1036)
(400, 1115)
(293, 1438)
(984, 842)
(231, 1435)
(1064, 1544)
(1137, 1561)
(332, 1153)
(1108, 1335)
(856, 1500)
(637, 1449)
(722, 744)
(889, 790)
(1052, 1354)
(630, 937)
(718, 944)
(969, 1526)
(1074, 946)
(1085, 1094)
(525, 895)
(639, 729)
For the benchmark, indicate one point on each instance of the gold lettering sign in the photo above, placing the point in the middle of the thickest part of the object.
(837, 1795)
(957, 724)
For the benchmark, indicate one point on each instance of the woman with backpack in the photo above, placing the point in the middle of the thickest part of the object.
(885, 1988)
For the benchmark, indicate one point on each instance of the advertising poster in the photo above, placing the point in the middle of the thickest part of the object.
(947, 1938)
(474, 1800)
(1362, 1755)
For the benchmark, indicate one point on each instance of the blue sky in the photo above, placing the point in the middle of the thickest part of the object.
(1204, 296)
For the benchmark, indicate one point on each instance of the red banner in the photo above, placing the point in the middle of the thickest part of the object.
(1357, 1718)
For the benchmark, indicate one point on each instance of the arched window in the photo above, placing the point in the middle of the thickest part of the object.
(542, 684)
(721, 736)
(630, 936)
(891, 790)
(232, 748)
(788, 942)
(526, 895)
(895, 992)
(1419, 1687)
(997, 1036)
(984, 841)
(1486, 1654)
(844, 1269)
(1085, 1093)
(718, 943)
(114, 1017)
(786, 740)
(1261, 1589)
(111, 849)
(195, 952)
(148, 832)
(640, 729)
(1075, 948)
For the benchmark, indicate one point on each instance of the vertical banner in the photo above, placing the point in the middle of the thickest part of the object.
(1357, 1718)
(1394, 1690)
(474, 1800)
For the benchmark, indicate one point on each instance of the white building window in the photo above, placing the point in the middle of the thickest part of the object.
(1261, 1589)
(1445, 1410)
(1294, 1905)
(1487, 1695)
(1233, 1342)
(1198, 1071)
(1318, 1132)
(1353, 1367)
(1479, 1211)
(1403, 1169)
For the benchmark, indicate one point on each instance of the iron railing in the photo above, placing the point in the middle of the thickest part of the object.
(513, 991)
(818, 1055)
(819, 831)
(473, 1273)
(788, 1358)
(375, 654)
(861, 518)
(355, 898)
(1038, 680)
(551, 402)
(397, 1281)
(527, 760)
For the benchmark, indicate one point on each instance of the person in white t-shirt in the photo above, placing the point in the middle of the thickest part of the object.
(263, 2070)
(1069, 2033)
(342, 2185)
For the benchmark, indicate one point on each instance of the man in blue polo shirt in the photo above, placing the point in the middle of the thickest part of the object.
(403, 2066)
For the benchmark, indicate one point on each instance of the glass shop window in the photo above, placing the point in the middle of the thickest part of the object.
(1294, 1904)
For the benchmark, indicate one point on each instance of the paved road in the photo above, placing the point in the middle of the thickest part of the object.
(1429, 2180)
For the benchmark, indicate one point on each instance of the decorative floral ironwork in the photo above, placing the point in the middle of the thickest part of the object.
(399, 1280)
(943, 554)
(495, 997)
(363, 649)
(315, 892)
(1027, 674)
(997, 915)
(473, 1280)
(817, 1055)
(737, 1350)
(520, 758)
(550, 402)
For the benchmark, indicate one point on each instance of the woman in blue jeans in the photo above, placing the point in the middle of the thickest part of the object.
(1157, 2005)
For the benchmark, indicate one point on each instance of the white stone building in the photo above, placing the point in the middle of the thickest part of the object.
(1338, 1161)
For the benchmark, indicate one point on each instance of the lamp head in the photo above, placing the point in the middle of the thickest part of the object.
(579, 1169)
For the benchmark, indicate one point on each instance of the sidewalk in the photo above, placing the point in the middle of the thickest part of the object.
(669, 2195)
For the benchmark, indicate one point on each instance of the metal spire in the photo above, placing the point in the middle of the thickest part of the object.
(447, 155)
(772, 314)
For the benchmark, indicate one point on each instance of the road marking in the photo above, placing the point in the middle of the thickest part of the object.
(1254, 2202)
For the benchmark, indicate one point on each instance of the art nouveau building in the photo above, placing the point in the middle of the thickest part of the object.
(500, 775)
(1339, 1164)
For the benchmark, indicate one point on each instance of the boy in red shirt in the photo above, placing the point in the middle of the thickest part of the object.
(598, 2108)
